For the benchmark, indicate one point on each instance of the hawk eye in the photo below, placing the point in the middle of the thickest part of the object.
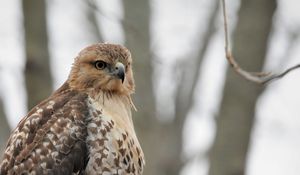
(100, 65)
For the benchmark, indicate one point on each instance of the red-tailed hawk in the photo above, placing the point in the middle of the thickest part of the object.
(84, 127)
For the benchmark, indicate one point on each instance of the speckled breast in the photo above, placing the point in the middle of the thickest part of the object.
(112, 148)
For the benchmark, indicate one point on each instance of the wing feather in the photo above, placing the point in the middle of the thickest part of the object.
(50, 139)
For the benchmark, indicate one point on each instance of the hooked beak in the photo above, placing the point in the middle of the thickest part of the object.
(119, 71)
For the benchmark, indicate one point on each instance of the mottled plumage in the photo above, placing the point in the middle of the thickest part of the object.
(84, 127)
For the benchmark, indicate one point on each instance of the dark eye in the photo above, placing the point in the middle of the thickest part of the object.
(100, 65)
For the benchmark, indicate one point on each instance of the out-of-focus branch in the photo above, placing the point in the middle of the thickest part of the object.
(134, 30)
(186, 89)
(92, 17)
(256, 77)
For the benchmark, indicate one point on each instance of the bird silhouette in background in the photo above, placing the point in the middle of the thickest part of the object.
(84, 127)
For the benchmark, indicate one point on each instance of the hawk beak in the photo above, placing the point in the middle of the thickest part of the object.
(119, 71)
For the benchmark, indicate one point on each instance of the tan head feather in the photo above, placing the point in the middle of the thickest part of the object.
(86, 76)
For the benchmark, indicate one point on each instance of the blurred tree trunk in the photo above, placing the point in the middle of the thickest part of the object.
(136, 27)
(37, 69)
(230, 148)
(4, 129)
(161, 142)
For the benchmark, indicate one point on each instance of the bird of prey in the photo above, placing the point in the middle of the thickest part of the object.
(85, 126)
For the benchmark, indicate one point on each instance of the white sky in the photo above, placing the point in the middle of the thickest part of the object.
(275, 147)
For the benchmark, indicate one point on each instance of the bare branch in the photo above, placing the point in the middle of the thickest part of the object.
(278, 76)
(256, 77)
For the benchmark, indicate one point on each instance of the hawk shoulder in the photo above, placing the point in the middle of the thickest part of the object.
(51, 138)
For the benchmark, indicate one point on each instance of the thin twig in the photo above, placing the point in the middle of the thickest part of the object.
(225, 27)
(278, 76)
(256, 77)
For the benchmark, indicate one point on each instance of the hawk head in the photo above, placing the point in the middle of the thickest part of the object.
(103, 68)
